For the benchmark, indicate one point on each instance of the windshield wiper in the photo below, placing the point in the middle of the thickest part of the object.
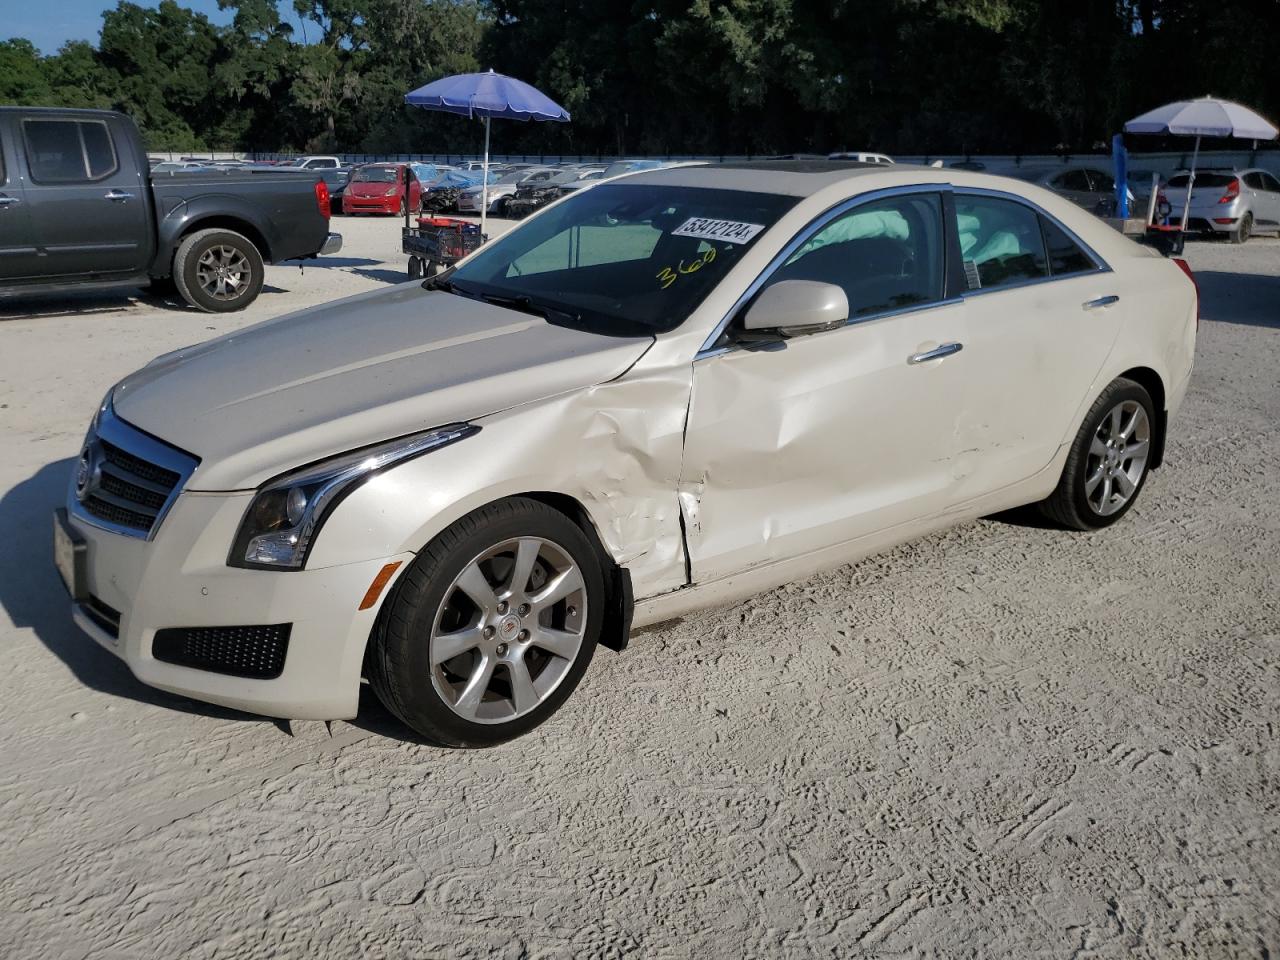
(528, 305)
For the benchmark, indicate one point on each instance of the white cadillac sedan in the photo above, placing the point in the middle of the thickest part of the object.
(670, 391)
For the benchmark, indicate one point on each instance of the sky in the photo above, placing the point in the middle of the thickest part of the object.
(51, 23)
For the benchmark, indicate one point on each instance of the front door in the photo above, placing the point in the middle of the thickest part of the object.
(17, 245)
(815, 440)
(87, 202)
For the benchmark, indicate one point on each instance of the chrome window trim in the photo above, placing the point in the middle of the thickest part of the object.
(709, 348)
(130, 439)
(1099, 265)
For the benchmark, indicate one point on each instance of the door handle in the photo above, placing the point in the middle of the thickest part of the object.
(9, 201)
(1099, 302)
(118, 196)
(937, 353)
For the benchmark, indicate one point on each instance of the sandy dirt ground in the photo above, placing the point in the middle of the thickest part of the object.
(1003, 741)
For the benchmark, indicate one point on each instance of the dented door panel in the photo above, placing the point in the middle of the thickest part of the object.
(830, 437)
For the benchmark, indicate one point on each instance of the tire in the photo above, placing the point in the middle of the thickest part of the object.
(1243, 230)
(415, 268)
(1104, 474)
(500, 208)
(430, 617)
(194, 270)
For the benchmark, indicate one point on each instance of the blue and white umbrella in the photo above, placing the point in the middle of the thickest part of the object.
(487, 95)
(1206, 117)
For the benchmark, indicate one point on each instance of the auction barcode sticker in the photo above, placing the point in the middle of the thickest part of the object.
(727, 231)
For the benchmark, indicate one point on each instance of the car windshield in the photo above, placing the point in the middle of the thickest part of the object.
(376, 175)
(565, 176)
(1204, 179)
(621, 259)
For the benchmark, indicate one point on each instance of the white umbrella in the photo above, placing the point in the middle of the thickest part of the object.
(1206, 117)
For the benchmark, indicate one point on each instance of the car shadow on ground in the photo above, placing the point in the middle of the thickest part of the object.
(385, 276)
(50, 306)
(34, 597)
(1250, 299)
(332, 262)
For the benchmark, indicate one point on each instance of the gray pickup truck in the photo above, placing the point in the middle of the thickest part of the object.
(79, 209)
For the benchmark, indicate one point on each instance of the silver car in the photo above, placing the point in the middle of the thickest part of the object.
(470, 199)
(1088, 187)
(1236, 203)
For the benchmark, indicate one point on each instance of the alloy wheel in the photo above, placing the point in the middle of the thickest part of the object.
(508, 630)
(1117, 458)
(223, 272)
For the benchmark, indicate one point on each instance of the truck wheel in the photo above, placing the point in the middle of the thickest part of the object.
(218, 270)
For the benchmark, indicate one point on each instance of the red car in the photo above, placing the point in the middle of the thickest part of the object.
(379, 188)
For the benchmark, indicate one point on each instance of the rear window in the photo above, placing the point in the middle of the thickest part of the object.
(1205, 179)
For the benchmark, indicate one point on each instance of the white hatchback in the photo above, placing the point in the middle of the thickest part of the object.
(672, 390)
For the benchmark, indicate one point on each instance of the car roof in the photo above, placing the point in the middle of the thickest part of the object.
(798, 178)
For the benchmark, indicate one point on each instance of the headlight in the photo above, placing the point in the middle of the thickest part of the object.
(391, 192)
(285, 516)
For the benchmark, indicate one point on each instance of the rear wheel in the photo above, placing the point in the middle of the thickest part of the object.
(492, 627)
(1108, 462)
(218, 270)
(1243, 230)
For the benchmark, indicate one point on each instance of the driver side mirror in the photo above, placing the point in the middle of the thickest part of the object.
(793, 308)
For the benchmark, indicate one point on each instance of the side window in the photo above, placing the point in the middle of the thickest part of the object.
(98, 150)
(1065, 255)
(1000, 242)
(1102, 182)
(1254, 181)
(1072, 180)
(68, 151)
(1270, 183)
(885, 255)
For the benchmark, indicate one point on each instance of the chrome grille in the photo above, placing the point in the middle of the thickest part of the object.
(126, 480)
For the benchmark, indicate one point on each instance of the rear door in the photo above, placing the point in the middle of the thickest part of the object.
(1042, 314)
(1271, 189)
(17, 245)
(86, 197)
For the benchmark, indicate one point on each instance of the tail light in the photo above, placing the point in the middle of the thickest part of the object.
(1232, 191)
(1186, 268)
(322, 198)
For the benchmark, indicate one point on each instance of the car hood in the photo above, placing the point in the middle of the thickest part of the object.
(368, 188)
(284, 393)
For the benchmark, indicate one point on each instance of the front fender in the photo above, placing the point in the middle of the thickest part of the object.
(615, 448)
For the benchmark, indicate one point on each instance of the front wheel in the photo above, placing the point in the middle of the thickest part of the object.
(1108, 462)
(492, 627)
(218, 270)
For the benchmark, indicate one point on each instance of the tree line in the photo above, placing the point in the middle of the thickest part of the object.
(661, 76)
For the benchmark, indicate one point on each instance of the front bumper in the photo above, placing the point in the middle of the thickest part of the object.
(370, 204)
(180, 578)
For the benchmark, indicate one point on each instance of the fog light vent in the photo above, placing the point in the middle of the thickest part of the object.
(256, 652)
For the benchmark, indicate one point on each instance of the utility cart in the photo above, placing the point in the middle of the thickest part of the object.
(438, 242)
